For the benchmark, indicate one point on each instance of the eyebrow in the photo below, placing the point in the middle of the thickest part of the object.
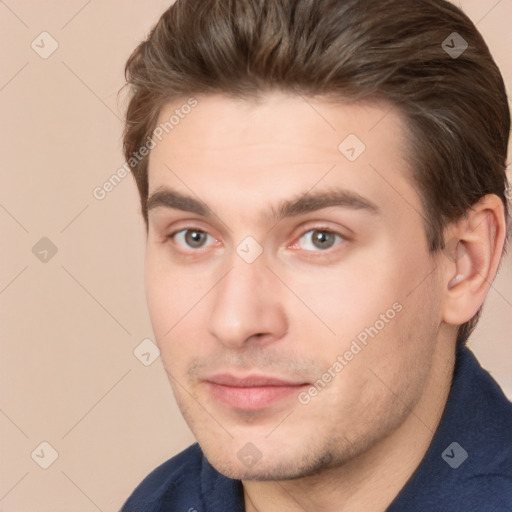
(306, 202)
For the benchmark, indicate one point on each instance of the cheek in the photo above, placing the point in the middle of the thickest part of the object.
(169, 292)
(351, 296)
(178, 311)
(166, 302)
(380, 309)
(159, 297)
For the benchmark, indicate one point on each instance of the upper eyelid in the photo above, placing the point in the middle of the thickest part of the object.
(322, 229)
(304, 231)
(174, 233)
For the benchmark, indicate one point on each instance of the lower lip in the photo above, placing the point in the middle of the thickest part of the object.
(252, 398)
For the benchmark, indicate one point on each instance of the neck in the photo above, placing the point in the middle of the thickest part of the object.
(373, 479)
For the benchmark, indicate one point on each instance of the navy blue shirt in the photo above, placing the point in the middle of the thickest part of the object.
(468, 466)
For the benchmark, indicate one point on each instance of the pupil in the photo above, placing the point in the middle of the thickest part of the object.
(194, 238)
(323, 239)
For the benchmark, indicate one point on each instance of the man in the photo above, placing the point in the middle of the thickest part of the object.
(324, 190)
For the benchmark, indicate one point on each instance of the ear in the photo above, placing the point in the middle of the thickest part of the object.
(474, 248)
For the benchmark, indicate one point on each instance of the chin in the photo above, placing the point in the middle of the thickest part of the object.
(276, 465)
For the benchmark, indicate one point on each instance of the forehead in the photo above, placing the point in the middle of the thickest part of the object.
(238, 152)
(220, 123)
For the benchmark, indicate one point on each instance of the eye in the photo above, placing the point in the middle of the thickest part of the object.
(319, 240)
(191, 238)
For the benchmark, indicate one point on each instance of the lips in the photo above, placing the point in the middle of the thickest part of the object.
(250, 381)
(253, 392)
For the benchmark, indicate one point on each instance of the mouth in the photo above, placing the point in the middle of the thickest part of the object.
(251, 393)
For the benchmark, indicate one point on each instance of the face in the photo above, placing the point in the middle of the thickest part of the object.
(289, 283)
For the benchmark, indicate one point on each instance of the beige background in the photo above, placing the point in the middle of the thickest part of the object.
(68, 374)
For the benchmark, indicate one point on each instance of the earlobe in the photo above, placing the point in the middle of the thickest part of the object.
(474, 254)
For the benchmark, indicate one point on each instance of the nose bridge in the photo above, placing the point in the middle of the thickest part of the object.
(246, 303)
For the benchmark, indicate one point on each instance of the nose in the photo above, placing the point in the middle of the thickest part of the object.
(247, 307)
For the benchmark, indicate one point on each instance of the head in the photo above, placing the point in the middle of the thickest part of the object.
(313, 174)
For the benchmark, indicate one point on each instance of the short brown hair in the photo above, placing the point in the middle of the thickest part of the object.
(455, 105)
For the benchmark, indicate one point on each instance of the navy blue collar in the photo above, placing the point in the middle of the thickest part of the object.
(468, 465)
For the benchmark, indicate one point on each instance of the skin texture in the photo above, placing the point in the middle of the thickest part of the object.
(290, 313)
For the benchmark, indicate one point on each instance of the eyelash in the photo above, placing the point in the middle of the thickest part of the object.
(321, 229)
